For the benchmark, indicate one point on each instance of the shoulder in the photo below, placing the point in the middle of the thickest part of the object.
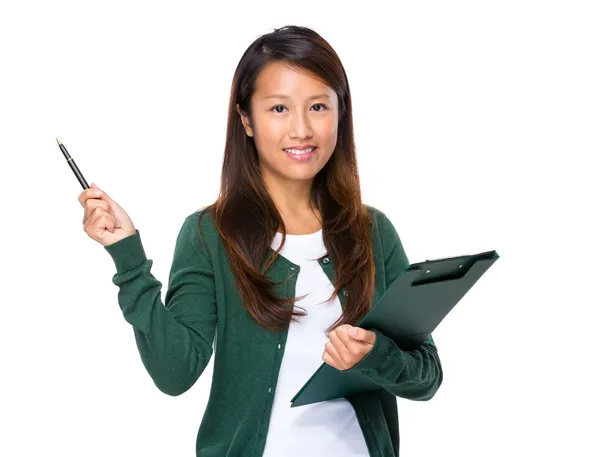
(198, 230)
(381, 221)
(390, 239)
(202, 218)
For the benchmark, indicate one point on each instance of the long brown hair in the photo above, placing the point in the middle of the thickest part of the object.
(244, 213)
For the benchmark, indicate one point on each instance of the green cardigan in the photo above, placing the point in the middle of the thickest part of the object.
(175, 340)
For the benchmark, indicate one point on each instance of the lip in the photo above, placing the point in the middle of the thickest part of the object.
(303, 157)
(301, 146)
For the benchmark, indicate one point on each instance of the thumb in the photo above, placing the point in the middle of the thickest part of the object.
(360, 334)
(104, 195)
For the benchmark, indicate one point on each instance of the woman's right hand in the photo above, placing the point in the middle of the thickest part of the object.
(103, 219)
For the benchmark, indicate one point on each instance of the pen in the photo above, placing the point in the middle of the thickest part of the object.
(73, 165)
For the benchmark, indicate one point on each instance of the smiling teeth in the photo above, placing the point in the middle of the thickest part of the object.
(298, 151)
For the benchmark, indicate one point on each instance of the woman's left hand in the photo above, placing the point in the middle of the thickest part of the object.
(344, 350)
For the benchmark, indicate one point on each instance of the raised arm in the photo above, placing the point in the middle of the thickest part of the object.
(174, 340)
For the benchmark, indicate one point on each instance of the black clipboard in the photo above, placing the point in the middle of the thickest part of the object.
(408, 312)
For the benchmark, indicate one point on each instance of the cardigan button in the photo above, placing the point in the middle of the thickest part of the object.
(346, 293)
(326, 260)
(269, 390)
(279, 346)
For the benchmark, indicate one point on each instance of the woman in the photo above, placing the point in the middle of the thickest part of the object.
(288, 226)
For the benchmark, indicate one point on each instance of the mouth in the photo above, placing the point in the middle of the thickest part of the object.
(300, 155)
(300, 151)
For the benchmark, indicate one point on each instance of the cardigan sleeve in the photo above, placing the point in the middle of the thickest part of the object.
(414, 374)
(175, 340)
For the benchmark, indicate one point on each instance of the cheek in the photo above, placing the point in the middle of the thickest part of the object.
(328, 134)
(269, 134)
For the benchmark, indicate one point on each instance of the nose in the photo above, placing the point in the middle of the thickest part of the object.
(300, 126)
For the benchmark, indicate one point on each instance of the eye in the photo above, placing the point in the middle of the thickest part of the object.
(316, 104)
(323, 105)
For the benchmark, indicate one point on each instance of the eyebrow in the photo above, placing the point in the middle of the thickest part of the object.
(285, 96)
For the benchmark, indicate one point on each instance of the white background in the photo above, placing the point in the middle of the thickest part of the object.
(477, 128)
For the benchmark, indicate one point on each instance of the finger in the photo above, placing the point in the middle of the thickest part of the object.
(97, 214)
(92, 204)
(339, 345)
(347, 350)
(92, 218)
(328, 360)
(87, 194)
(333, 353)
(340, 334)
(103, 194)
(100, 211)
(99, 220)
(106, 222)
(364, 335)
(111, 223)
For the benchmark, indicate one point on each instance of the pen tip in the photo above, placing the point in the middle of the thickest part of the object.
(58, 141)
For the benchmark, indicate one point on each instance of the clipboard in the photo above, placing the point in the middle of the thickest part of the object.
(408, 312)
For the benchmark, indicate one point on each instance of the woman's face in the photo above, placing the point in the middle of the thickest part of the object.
(291, 108)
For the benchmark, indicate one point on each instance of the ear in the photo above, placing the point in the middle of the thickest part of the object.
(245, 121)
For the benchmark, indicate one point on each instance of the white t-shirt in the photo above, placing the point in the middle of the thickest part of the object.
(321, 429)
